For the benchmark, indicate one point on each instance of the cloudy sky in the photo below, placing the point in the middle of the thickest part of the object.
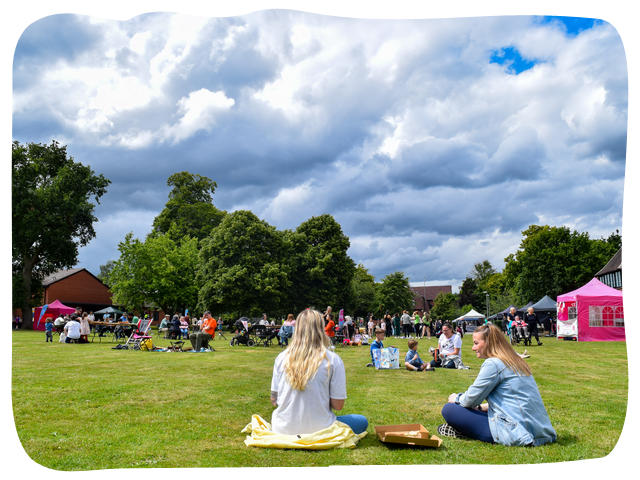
(434, 143)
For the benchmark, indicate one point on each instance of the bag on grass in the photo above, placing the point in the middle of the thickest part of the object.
(63, 337)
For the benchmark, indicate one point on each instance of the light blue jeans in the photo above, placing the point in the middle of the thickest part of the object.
(358, 423)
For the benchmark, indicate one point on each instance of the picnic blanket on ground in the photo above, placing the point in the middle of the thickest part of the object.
(337, 435)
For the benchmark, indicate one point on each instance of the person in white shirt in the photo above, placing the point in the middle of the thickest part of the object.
(309, 382)
(58, 323)
(449, 346)
(264, 320)
(72, 330)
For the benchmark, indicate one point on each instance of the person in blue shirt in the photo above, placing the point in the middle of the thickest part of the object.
(412, 360)
(514, 413)
(377, 344)
(48, 328)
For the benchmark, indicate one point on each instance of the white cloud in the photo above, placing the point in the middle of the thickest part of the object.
(199, 111)
(292, 206)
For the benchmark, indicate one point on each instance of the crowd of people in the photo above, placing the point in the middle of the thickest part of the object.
(309, 382)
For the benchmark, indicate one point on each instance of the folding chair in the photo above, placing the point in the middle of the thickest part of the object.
(140, 334)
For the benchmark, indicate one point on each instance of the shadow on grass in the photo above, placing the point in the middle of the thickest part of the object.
(566, 439)
(400, 447)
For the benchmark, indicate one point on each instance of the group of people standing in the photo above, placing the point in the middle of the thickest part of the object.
(404, 325)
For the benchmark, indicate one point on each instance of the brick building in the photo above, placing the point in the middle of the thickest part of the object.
(423, 297)
(76, 287)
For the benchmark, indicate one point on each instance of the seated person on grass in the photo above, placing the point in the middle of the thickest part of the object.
(309, 382)
(72, 330)
(376, 344)
(448, 353)
(200, 340)
(164, 324)
(514, 413)
(412, 360)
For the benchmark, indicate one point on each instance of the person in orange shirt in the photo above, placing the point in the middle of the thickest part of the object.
(330, 328)
(200, 340)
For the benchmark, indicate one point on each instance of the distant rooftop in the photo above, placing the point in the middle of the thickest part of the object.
(612, 265)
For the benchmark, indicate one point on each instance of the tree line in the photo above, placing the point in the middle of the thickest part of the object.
(549, 261)
(199, 257)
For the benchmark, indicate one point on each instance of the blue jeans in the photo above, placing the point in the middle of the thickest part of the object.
(358, 423)
(469, 422)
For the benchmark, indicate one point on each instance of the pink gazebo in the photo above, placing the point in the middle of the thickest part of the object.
(591, 313)
(52, 310)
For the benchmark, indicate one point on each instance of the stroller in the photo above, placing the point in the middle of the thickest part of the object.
(242, 337)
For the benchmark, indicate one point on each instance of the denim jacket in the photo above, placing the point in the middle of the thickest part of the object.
(516, 413)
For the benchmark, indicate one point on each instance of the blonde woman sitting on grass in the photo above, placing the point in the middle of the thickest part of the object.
(309, 382)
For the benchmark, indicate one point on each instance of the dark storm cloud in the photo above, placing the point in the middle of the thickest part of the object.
(430, 156)
(55, 37)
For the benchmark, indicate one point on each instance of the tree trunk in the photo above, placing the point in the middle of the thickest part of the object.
(27, 319)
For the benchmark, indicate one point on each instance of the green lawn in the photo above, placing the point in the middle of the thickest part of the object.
(120, 409)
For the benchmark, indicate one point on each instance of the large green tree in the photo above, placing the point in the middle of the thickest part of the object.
(393, 294)
(553, 260)
(469, 293)
(481, 273)
(158, 271)
(321, 270)
(52, 214)
(445, 307)
(363, 292)
(190, 208)
(242, 268)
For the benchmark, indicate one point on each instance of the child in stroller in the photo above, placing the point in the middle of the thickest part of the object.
(242, 336)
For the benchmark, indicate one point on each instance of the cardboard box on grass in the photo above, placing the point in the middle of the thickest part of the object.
(387, 358)
(410, 434)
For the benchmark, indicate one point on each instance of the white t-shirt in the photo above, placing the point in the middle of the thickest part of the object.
(448, 345)
(73, 329)
(307, 411)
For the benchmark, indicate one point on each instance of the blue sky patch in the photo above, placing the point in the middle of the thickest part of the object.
(573, 25)
(511, 58)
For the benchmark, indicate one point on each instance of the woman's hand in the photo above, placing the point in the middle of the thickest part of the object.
(453, 397)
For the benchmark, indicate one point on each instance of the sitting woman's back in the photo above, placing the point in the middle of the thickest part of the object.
(309, 381)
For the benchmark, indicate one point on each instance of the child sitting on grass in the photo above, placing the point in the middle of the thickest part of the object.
(376, 344)
(412, 360)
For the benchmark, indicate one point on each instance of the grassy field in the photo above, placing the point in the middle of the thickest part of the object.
(86, 407)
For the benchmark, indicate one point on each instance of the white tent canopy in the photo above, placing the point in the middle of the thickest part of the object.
(470, 315)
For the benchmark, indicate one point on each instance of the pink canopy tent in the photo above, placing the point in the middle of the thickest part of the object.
(51, 310)
(591, 313)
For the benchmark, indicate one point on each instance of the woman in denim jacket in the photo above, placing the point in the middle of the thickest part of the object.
(514, 413)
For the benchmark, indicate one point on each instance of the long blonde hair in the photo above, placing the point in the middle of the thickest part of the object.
(496, 345)
(307, 349)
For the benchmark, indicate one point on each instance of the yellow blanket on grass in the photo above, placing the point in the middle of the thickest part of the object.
(337, 435)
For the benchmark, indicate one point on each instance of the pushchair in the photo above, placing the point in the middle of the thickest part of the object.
(242, 337)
